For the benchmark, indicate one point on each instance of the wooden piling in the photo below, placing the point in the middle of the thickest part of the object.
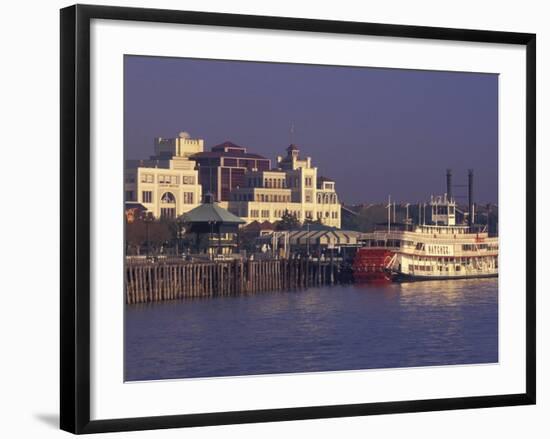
(148, 281)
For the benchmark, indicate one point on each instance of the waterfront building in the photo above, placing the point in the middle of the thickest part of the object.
(222, 169)
(319, 241)
(293, 187)
(167, 185)
(172, 181)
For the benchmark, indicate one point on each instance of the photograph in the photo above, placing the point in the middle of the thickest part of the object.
(285, 218)
(267, 220)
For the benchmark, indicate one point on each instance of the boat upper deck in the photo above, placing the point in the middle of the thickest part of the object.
(434, 241)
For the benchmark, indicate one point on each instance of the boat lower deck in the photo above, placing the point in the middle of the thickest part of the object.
(402, 277)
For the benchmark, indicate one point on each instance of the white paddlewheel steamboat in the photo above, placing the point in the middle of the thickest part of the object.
(439, 250)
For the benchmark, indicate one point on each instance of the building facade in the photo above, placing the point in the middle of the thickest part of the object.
(167, 185)
(222, 169)
(174, 180)
(294, 187)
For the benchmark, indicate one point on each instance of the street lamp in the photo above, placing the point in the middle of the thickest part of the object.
(307, 241)
(180, 231)
(147, 219)
(210, 246)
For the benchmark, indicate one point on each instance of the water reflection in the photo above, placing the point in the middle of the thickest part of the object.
(320, 329)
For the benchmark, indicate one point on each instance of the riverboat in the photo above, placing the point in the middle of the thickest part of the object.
(439, 250)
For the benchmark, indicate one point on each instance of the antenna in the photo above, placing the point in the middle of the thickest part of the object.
(471, 207)
(292, 133)
(488, 215)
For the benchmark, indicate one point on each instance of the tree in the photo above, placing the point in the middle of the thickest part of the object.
(137, 231)
(159, 234)
(135, 236)
(171, 231)
(288, 221)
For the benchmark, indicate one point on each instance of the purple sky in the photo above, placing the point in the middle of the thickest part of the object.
(375, 131)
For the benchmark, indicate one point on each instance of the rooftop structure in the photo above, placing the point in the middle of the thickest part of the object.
(317, 238)
(292, 160)
(181, 146)
(168, 150)
(212, 220)
(210, 213)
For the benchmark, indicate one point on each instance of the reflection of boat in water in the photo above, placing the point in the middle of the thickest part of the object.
(440, 250)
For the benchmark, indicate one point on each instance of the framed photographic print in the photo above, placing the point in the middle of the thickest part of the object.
(269, 218)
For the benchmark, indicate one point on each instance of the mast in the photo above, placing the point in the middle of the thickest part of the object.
(389, 213)
(471, 219)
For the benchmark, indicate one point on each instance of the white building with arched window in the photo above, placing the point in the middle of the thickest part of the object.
(165, 192)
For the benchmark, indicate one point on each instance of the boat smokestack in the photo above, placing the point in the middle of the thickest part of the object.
(449, 184)
(471, 197)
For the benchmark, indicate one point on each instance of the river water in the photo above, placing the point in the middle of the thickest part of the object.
(343, 327)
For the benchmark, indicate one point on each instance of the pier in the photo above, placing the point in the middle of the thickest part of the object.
(172, 279)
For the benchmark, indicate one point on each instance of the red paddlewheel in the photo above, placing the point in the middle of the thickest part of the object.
(370, 265)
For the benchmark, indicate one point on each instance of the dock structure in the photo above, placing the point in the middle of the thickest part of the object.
(158, 281)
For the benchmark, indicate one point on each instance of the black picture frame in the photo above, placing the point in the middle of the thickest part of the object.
(75, 218)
